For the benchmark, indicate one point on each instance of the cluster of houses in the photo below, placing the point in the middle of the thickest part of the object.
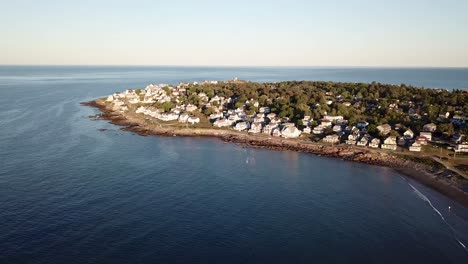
(262, 122)
(266, 122)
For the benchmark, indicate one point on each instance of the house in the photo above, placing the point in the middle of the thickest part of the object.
(190, 108)
(215, 116)
(276, 132)
(110, 98)
(271, 116)
(421, 140)
(183, 118)
(408, 134)
(325, 123)
(461, 148)
(168, 116)
(264, 109)
(242, 126)
(332, 139)
(336, 128)
(390, 143)
(290, 132)
(318, 130)
(306, 130)
(375, 143)
(193, 120)
(384, 129)
(363, 142)
(256, 127)
(351, 139)
(306, 120)
(431, 127)
(415, 147)
(333, 118)
(427, 135)
(222, 122)
(268, 129)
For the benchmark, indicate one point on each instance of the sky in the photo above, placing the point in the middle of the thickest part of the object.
(397, 33)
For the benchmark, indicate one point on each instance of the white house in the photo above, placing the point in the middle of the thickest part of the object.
(415, 147)
(333, 118)
(390, 143)
(183, 118)
(318, 130)
(190, 108)
(461, 148)
(325, 123)
(384, 129)
(409, 134)
(268, 129)
(351, 139)
(306, 130)
(222, 122)
(336, 128)
(334, 139)
(375, 143)
(427, 135)
(363, 142)
(255, 128)
(242, 126)
(431, 127)
(276, 132)
(193, 120)
(290, 132)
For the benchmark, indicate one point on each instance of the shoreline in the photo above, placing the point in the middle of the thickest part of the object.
(422, 173)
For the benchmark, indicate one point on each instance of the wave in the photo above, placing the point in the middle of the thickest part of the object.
(424, 198)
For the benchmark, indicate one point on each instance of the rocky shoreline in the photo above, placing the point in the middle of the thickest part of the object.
(423, 173)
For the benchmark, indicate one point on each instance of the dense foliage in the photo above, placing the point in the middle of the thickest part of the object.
(375, 103)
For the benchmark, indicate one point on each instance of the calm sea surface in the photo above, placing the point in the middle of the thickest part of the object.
(70, 193)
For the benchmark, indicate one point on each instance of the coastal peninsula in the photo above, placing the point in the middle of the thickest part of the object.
(417, 131)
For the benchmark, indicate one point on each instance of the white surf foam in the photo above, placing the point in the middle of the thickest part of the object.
(424, 198)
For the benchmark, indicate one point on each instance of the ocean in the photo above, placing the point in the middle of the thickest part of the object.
(77, 190)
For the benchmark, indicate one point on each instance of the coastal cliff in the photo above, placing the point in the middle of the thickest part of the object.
(423, 170)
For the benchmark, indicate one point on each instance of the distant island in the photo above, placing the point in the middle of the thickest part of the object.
(418, 131)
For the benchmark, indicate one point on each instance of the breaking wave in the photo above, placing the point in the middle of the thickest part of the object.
(424, 198)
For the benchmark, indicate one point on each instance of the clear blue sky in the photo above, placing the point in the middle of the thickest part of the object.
(271, 33)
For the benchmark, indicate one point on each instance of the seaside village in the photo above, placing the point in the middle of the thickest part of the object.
(329, 129)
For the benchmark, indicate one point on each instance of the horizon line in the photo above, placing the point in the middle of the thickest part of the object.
(235, 66)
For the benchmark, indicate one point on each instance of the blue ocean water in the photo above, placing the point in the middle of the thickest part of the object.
(70, 193)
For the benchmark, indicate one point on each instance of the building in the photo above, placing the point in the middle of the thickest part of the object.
(318, 130)
(351, 139)
(193, 120)
(431, 127)
(363, 142)
(290, 132)
(183, 118)
(375, 143)
(461, 148)
(256, 127)
(421, 140)
(384, 129)
(390, 143)
(333, 139)
(409, 134)
(242, 126)
(306, 130)
(427, 135)
(415, 147)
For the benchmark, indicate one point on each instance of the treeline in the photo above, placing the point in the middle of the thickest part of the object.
(374, 102)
